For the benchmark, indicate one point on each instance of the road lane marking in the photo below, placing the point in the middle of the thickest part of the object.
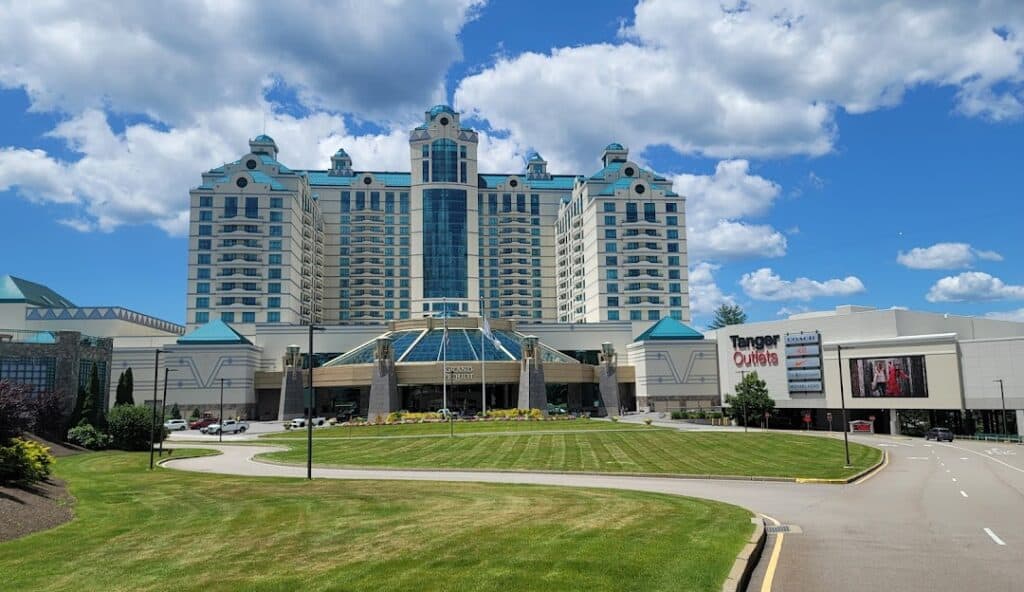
(917, 458)
(954, 479)
(947, 470)
(1018, 469)
(773, 562)
(964, 458)
(993, 536)
(963, 493)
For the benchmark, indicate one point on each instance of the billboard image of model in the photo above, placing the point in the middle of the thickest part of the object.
(889, 377)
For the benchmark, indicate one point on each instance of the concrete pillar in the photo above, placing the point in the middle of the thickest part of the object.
(384, 387)
(575, 399)
(894, 422)
(533, 392)
(292, 402)
(608, 381)
(1020, 421)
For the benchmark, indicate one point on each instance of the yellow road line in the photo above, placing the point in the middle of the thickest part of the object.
(885, 463)
(769, 574)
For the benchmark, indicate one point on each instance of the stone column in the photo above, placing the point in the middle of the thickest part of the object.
(575, 399)
(533, 392)
(608, 380)
(384, 387)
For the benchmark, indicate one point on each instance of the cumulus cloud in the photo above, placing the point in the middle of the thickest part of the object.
(715, 205)
(944, 256)
(705, 295)
(751, 79)
(764, 284)
(1009, 315)
(973, 286)
(349, 56)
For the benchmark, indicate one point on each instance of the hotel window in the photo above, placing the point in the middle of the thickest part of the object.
(346, 201)
(672, 220)
(609, 233)
(636, 315)
(206, 201)
(203, 302)
(274, 274)
(389, 202)
(462, 172)
(276, 216)
(462, 151)
(611, 274)
(534, 204)
(611, 260)
(227, 317)
(673, 274)
(204, 244)
(202, 317)
(275, 231)
(613, 315)
(360, 200)
(613, 301)
(203, 288)
(375, 201)
(273, 317)
(275, 245)
(205, 230)
(675, 301)
(403, 204)
(611, 248)
(203, 273)
(675, 288)
(276, 202)
(206, 215)
(673, 260)
(274, 302)
(506, 202)
(203, 259)
(609, 220)
(274, 288)
(649, 213)
(230, 207)
(613, 288)
(248, 317)
(252, 207)
(672, 234)
(673, 247)
(652, 315)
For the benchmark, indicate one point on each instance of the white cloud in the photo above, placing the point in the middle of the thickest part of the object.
(764, 284)
(944, 256)
(786, 311)
(973, 286)
(37, 177)
(705, 295)
(1009, 315)
(377, 59)
(753, 79)
(714, 205)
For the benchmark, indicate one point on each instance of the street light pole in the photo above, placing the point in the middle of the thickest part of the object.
(163, 406)
(1002, 398)
(309, 403)
(152, 427)
(220, 432)
(842, 401)
(743, 401)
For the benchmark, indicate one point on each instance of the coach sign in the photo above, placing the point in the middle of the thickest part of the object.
(755, 351)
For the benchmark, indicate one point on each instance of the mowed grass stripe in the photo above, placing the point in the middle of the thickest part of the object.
(654, 451)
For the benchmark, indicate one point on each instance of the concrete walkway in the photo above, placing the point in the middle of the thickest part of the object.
(940, 517)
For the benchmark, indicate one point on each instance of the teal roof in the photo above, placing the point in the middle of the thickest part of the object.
(264, 138)
(41, 337)
(341, 152)
(535, 157)
(614, 146)
(669, 329)
(439, 109)
(613, 167)
(265, 179)
(464, 345)
(266, 159)
(389, 179)
(555, 182)
(214, 332)
(623, 183)
(14, 289)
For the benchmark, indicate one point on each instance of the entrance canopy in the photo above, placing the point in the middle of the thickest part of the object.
(427, 343)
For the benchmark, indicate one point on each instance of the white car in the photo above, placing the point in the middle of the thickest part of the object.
(300, 422)
(228, 427)
(176, 425)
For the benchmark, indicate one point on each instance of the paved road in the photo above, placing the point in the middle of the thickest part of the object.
(920, 524)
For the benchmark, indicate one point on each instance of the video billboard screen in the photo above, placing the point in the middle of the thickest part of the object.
(904, 376)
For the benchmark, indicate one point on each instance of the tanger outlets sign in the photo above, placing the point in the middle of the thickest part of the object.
(755, 351)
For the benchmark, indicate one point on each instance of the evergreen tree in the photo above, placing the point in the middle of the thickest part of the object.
(119, 398)
(751, 400)
(175, 412)
(129, 387)
(195, 413)
(728, 314)
(92, 402)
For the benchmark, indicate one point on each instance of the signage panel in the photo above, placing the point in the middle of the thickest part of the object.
(805, 386)
(797, 363)
(803, 362)
(814, 374)
(803, 350)
(803, 338)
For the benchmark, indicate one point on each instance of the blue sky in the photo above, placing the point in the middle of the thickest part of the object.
(829, 154)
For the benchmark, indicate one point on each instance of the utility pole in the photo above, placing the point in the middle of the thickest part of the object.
(220, 432)
(1002, 398)
(743, 401)
(152, 427)
(842, 401)
(163, 406)
(310, 402)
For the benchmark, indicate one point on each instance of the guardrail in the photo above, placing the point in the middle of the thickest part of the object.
(1012, 438)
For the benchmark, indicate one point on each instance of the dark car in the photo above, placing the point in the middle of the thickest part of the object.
(939, 434)
(346, 412)
(202, 423)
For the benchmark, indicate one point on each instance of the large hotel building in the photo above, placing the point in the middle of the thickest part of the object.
(340, 246)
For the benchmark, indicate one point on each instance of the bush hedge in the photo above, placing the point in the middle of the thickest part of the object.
(24, 461)
(87, 436)
(130, 427)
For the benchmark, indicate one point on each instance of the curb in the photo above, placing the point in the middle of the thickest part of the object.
(884, 460)
(746, 561)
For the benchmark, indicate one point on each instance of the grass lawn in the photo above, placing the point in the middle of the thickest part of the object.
(647, 450)
(168, 530)
(460, 427)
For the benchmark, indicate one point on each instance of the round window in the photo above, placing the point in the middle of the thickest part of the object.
(513, 183)
(241, 182)
(250, 164)
(629, 171)
(444, 121)
(367, 180)
(640, 189)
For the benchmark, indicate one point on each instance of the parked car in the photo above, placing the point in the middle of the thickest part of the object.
(199, 424)
(556, 410)
(228, 427)
(346, 411)
(939, 434)
(300, 422)
(449, 413)
(176, 425)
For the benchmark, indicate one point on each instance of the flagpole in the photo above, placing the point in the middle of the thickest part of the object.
(444, 361)
(483, 361)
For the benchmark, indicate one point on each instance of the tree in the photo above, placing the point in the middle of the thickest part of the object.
(175, 412)
(47, 412)
(14, 412)
(125, 389)
(91, 408)
(195, 413)
(728, 314)
(751, 399)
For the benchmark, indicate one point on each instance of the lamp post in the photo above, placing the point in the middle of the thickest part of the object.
(152, 427)
(163, 405)
(743, 401)
(220, 432)
(1002, 398)
(842, 402)
(309, 403)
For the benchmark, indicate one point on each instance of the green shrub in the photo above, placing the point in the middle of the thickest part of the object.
(24, 461)
(615, 418)
(677, 415)
(130, 427)
(86, 436)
